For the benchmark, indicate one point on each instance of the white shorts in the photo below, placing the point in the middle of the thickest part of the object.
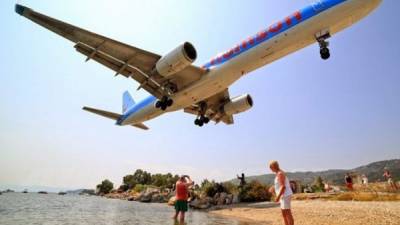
(285, 202)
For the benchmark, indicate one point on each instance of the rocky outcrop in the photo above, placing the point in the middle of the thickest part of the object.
(155, 195)
(219, 199)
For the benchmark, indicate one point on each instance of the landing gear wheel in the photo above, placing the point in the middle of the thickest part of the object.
(164, 103)
(206, 120)
(158, 104)
(169, 102)
(197, 122)
(325, 54)
(323, 45)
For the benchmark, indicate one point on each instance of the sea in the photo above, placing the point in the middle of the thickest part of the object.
(54, 209)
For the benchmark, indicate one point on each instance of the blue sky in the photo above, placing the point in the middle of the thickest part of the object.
(308, 114)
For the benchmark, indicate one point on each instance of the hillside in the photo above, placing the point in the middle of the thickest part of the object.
(373, 171)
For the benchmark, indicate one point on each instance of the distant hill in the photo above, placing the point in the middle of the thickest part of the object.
(373, 171)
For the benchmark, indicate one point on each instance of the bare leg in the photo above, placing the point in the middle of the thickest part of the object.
(289, 217)
(285, 217)
(182, 217)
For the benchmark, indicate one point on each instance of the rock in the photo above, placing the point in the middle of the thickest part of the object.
(145, 197)
(158, 198)
(171, 201)
(235, 199)
(200, 204)
(221, 198)
(215, 199)
(229, 199)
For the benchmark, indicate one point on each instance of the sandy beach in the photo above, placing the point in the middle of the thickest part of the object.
(319, 212)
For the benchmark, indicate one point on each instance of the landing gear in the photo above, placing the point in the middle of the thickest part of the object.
(323, 46)
(164, 103)
(202, 119)
(325, 54)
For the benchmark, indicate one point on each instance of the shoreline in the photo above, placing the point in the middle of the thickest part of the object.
(317, 212)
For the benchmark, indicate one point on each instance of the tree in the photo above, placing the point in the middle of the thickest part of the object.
(105, 187)
(318, 185)
(129, 181)
(254, 192)
(142, 177)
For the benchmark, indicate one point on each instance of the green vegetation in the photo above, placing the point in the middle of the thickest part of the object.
(140, 179)
(254, 192)
(105, 187)
(318, 185)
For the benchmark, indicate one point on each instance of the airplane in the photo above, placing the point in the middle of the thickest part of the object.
(175, 83)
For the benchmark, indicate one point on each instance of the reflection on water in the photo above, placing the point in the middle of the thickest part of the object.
(52, 209)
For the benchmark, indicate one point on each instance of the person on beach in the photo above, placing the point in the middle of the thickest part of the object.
(182, 193)
(364, 180)
(349, 181)
(242, 180)
(388, 176)
(283, 192)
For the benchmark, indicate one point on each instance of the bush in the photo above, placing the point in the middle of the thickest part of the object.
(318, 185)
(123, 187)
(141, 177)
(139, 188)
(230, 188)
(254, 192)
(105, 187)
(211, 188)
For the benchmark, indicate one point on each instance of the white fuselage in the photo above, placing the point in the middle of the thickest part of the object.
(220, 77)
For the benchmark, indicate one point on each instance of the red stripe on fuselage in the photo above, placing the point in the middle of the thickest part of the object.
(261, 36)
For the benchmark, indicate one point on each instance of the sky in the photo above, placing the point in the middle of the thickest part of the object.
(308, 114)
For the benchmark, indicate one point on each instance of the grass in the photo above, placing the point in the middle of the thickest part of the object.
(372, 192)
(366, 196)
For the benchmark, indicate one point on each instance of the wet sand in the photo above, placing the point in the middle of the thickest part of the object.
(319, 212)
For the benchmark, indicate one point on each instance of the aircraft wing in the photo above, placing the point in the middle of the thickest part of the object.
(113, 116)
(124, 59)
(214, 104)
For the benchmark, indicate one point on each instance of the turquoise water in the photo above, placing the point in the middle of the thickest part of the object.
(53, 209)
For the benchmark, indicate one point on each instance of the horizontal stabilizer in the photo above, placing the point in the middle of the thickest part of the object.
(110, 115)
(113, 116)
(141, 126)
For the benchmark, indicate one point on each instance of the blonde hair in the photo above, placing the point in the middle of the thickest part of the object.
(274, 164)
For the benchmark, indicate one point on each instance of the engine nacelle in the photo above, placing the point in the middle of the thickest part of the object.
(238, 104)
(176, 60)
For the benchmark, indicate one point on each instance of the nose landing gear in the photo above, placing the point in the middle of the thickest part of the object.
(323, 45)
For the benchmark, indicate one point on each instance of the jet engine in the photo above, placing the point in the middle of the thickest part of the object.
(238, 104)
(176, 60)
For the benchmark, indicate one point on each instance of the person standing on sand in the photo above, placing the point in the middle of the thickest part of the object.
(182, 193)
(349, 181)
(389, 178)
(283, 192)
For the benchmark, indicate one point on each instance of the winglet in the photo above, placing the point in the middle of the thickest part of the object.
(20, 9)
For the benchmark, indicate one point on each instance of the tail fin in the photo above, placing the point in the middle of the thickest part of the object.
(127, 101)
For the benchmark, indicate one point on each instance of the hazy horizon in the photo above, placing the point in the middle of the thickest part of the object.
(308, 114)
(35, 188)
